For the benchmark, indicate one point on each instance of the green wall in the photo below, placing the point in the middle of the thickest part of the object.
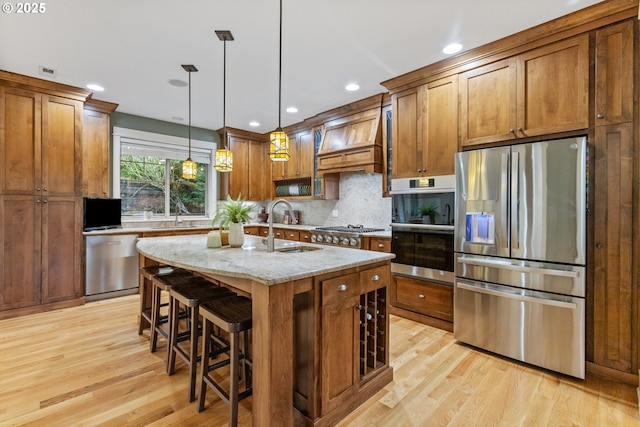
(146, 124)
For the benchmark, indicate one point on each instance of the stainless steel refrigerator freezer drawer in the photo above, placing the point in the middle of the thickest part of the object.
(543, 329)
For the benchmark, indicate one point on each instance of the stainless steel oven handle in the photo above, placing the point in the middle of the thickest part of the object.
(535, 300)
(423, 226)
(523, 269)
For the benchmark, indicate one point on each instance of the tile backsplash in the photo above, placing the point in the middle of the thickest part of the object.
(360, 202)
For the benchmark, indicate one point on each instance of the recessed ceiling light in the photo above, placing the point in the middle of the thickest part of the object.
(292, 110)
(178, 83)
(254, 124)
(452, 48)
(95, 87)
(352, 86)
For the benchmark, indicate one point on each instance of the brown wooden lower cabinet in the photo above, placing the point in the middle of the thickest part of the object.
(424, 301)
(352, 346)
(40, 254)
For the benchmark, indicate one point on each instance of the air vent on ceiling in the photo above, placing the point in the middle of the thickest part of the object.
(47, 71)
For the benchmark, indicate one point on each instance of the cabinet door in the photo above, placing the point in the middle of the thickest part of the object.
(291, 165)
(404, 129)
(20, 130)
(61, 249)
(614, 74)
(488, 103)
(340, 328)
(257, 172)
(239, 175)
(439, 126)
(20, 251)
(305, 153)
(553, 88)
(61, 146)
(95, 142)
(613, 247)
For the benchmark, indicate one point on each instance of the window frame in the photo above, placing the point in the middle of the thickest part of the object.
(205, 149)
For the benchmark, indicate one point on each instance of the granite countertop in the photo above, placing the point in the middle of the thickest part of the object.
(252, 261)
(140, 227)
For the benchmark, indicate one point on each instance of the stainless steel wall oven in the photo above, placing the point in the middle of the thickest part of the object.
(422, 227)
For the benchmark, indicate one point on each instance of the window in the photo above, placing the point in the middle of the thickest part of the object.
(148, 175)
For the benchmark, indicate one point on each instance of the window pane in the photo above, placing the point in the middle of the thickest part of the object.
(189, 194)
(142, 184)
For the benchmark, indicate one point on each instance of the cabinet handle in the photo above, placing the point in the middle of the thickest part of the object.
(359, 306)
(512, 131)
(600, 116)
(45, 201)
(37, 200)
(421, 296)
(519, 129)
(44, 189)
(599, 245)
(375, 278)
(342, 288)
(381, 245)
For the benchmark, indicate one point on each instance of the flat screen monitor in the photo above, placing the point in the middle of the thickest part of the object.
(100, 214)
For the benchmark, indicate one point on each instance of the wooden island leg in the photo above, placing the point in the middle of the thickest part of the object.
(272, 354)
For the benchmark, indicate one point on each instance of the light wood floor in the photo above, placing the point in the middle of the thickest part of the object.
(87, 366)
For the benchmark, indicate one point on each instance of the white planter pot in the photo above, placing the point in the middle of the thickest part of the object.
(236, 235)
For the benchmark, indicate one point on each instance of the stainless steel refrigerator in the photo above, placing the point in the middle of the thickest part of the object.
(520, 252)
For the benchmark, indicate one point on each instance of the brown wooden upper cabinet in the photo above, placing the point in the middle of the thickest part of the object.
(425, 129)
(41, 143)
(248, 177)
(614, 74)
(96, 130)
(539, 92)
(300, 163)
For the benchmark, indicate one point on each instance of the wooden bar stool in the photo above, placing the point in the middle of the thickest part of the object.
(163, 282)
(147, 274)
(232, 315)
(191, 295)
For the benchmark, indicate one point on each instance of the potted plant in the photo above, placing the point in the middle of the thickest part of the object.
(428, 213)
(232, 214)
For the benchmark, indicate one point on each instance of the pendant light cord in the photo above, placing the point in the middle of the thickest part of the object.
(224, 96)
(189, 156)
(280, 73)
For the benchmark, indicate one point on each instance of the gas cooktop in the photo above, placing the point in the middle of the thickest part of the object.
(350, 229)
(344, 235)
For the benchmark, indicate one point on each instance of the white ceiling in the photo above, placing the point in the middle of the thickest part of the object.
(134, 47)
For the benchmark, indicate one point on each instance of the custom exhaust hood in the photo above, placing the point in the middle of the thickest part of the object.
(353, 142)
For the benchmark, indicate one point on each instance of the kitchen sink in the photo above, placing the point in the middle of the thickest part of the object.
(297, 249)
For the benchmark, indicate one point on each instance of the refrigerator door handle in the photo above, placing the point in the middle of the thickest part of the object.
(515, 201)
(543, 301)
(504, 231)
(523, 269)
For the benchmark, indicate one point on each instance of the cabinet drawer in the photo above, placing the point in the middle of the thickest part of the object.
(375, 278)
(380, 244)
(422, 296)
(264, 231)
(250, 230)
(305, 236)
(292, 235)
(340, 288)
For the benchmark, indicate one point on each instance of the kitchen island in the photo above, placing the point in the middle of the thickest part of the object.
(320, 327)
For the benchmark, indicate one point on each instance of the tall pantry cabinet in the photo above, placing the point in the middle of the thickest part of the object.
(40, 194)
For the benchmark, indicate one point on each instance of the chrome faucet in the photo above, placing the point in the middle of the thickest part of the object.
(269, 241)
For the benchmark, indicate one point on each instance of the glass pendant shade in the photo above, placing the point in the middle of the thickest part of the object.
(279, 146)
(189, 169)
(224, 160)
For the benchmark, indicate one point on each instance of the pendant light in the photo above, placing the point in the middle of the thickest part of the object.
(224, 157)
(279, 141)
(189, 167)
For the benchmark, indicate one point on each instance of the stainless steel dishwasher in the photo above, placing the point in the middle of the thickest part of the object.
(111, 266)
